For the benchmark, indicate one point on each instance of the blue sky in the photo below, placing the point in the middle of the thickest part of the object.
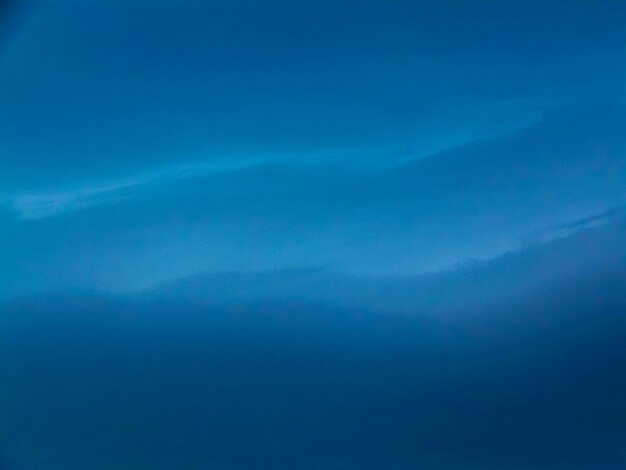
(329, 234)
(143, 141)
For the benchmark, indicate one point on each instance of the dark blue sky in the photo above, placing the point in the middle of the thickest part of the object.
(149, 140)
(312, 234)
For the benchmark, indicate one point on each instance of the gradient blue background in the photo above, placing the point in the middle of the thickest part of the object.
(331, 234)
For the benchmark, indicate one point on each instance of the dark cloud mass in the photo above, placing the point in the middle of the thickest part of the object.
(588, 251)
(529, 381)
(332, 234)
(512, 363)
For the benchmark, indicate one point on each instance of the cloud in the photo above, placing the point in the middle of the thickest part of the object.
(157, 160)
(401, 218)
(533, 379)
(302, 225)
(585, 252)
(42, 205)
(208, 82)
(590, 221)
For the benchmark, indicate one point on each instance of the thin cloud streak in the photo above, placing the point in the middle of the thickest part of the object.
(43, 205)
(34, 205)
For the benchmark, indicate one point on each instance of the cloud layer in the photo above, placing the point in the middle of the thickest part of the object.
(330, 234)
(533, 378)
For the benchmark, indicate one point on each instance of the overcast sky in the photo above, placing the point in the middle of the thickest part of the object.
(330, 234)
(150, 140)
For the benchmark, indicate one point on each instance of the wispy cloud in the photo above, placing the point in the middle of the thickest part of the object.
(41, 205)
(590, 221)
(48, 204)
